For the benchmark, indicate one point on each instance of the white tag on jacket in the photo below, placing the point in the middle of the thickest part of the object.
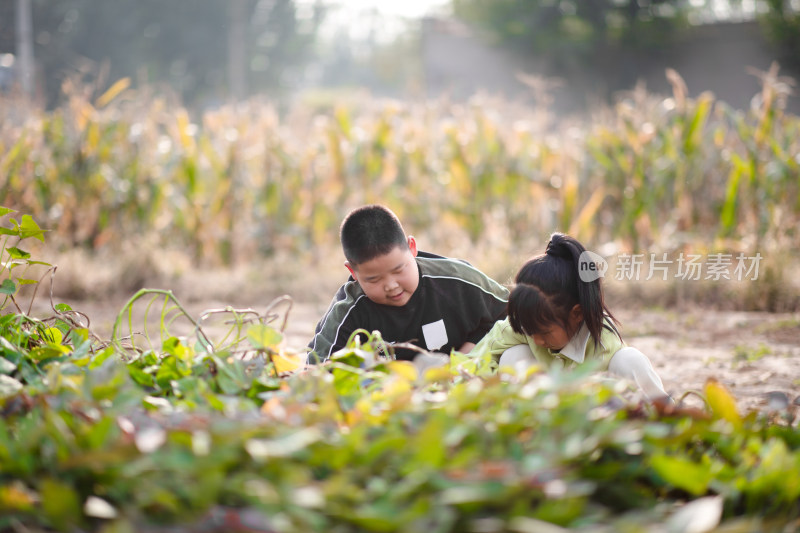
(435, 335)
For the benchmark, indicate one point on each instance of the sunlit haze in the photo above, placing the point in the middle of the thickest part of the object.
(359, 18)
(405, 8)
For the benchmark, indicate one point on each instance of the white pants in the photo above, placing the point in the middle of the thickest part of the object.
(628, 363)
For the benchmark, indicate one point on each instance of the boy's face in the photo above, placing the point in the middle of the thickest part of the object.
(389, 279)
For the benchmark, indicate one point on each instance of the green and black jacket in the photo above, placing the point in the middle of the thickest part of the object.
(453, 304)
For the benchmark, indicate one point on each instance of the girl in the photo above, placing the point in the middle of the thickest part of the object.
(554, 315)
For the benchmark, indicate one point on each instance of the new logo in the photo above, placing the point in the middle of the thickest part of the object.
(591, 266)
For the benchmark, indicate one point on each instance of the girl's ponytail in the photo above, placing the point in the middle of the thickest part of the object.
(558, 275)
(559, 246)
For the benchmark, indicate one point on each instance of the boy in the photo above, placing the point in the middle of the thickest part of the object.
(433, 302)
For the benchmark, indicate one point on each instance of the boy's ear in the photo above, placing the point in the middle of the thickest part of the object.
(412, 245)
(351, 269)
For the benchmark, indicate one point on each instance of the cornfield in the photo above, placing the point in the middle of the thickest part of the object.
(653, 172)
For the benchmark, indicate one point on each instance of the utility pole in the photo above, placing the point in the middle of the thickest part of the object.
(24, 32)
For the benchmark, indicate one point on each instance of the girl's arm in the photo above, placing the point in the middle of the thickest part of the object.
(633, 365)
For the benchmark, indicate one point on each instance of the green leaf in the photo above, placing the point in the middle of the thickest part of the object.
(682, 473)
(149, 358)
(263, 337)
(154, 403)
(228, 385)
(428, 450)
(351, 356)
(78, 336)
(110, 386)
(53, 335)
(214, 401)
(82, 361)
(140, 376)
(61, 504)
(728, 212)
(347, 380)
(8, 287)
(174, 346)
(262, 385)
(13, 352)
(16, 253)
(17, 497)
(694, 131)
(29, 228)
(189, 385)
(48, 351)
(5, 210)
(368, 519)
(171, 368)
(232, 377)
(101, 357)
(99, 433)
(722, 403)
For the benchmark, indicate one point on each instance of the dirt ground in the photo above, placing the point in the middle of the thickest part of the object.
(752, 354)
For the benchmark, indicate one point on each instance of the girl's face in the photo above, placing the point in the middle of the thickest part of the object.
(554, 337)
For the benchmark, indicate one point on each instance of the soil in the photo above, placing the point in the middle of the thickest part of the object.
(753, 354)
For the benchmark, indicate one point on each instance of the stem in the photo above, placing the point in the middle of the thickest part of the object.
(169, 296)
(274, 303)
(693, 393)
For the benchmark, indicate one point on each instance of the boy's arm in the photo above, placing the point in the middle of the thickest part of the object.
(327, 340)
(474, 298)
(489, 308)
(335, 327)
(331, 336)
(319, 349)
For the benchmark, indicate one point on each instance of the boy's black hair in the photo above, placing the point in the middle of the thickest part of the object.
(548, 286)
(370, 231)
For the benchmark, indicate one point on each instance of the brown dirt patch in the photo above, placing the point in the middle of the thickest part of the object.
(751, 353)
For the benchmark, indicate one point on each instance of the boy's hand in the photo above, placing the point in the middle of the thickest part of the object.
(466, 347)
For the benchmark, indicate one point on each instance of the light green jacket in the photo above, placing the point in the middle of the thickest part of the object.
(579, 349)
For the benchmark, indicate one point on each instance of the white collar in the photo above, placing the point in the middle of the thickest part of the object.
(576, 347)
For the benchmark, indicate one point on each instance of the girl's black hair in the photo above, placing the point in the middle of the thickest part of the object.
(370, 231)
(548, 286)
